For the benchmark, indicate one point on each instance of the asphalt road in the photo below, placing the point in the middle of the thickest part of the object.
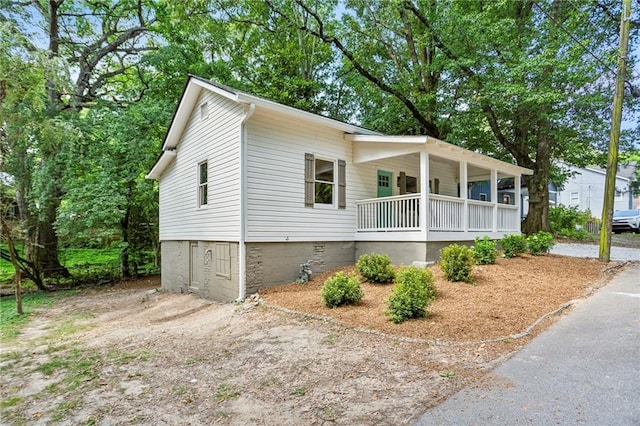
(591, 250)
(584, 370)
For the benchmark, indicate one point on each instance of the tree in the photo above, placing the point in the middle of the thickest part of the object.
(521, 81)
(100, 44)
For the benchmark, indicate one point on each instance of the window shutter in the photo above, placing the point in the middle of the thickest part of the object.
(342, 184)
(309, 179)
(402, 183)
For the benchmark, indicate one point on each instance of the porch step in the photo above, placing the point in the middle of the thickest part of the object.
(420, 264)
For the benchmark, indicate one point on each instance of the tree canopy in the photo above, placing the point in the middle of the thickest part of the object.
(87, 90)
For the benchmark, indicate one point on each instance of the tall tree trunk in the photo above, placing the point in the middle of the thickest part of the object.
(538, 184)
(44, 244)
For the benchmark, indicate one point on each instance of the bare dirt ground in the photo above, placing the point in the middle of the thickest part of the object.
(129, 355)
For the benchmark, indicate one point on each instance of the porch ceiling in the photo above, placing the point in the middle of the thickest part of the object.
(376, 147)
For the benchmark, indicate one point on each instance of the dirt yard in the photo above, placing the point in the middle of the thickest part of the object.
(128, 354)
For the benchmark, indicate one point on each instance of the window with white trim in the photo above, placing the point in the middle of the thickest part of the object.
(203, 184)
(574, 198)
(325, 182)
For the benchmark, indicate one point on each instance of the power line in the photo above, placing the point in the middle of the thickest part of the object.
(635, 92)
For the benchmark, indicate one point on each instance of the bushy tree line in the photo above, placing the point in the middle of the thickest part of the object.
(87, 90)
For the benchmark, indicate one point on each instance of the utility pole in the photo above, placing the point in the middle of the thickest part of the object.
(612, 161)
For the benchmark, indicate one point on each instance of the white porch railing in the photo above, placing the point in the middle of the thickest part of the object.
(450, 214)
(480, 215)
(399, 213)
(446, 213)
(508, 219)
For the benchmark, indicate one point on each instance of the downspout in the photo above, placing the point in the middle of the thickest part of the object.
(242, 263)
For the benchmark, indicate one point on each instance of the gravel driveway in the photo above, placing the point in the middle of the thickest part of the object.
(591, 250)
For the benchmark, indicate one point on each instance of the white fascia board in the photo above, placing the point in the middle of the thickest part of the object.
(165, 159)
(374, 147)
(185, 107)
(302, 115)
(604, 172)
(364, 151)
(379, 138)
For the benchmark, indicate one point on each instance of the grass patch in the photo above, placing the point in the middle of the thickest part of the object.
(10, 402)
(11, 322)
(86, 265)
(226, 392)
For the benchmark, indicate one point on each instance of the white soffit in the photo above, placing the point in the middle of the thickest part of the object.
(369, 148)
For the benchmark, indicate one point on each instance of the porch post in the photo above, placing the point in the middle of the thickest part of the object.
(494, 198)
(464, 193)
(517, 200)
(424, 192)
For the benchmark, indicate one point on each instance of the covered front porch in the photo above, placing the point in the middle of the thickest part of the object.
(429, 190)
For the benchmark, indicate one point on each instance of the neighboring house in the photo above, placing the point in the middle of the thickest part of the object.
(584, 190)
(250, 189)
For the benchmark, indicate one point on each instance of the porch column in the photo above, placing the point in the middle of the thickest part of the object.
(517, 200)
(494, 198)
(424, 192)
(464, 193)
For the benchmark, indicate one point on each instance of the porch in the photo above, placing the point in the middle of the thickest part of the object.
(448, 218)
(434, 191)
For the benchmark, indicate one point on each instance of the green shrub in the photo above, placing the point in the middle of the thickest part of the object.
(341, 290)
(569, 221)
(540, 243)
(376, 268)
(457, 263)
(484, 251)
(412, 293)
(513, 245)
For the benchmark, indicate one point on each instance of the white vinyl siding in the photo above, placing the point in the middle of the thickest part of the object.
(216, 139)
(589, 185)
(276, 181)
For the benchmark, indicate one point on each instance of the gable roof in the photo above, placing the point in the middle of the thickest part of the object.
(196, 84)
(356, 134)
(192, 90)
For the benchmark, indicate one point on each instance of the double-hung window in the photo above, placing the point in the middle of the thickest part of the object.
(325, 182)
(203, 184)
(324, 179)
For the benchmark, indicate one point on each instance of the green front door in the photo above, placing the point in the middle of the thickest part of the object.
(384, 183)
(383, 210)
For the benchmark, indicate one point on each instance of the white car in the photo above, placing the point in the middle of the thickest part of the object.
(626, 221)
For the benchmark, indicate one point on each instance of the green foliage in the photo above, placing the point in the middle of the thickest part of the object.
(11, 322)
(569, 221)
(376, 268)
(412, 293)
(341, 290)
(484, 251)
(540, 243)
(456, 261)
(513, 245)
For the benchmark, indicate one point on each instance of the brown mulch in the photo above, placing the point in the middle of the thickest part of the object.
(505, 299)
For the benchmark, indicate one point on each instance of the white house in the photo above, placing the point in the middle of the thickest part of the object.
(250, 189)
(584, 190)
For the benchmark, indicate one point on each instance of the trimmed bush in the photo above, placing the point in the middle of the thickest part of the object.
(456, 262)
(569, 222)
(376, 268)
(484, 251)
(513, 245)
(341, 289)
(540, 243)
(412, 293)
